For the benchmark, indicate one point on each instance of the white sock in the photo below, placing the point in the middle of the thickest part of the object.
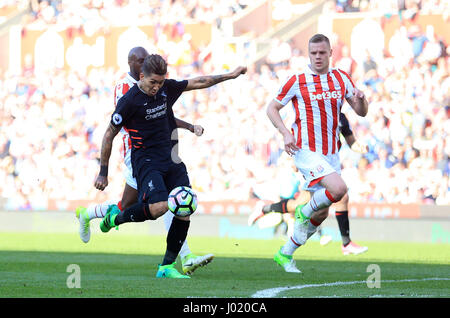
(311, 229)
(184, 250)
(99, 210)
(318, 201)
(168, 217)
(290, 247)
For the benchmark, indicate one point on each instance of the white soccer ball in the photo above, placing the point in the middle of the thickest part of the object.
(182, 201)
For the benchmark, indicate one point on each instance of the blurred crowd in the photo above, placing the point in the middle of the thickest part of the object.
(99, 15)
(407, 8)
(53, 124)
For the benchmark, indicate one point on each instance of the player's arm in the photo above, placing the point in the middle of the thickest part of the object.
(273, 112)
(211, 80)
(345, 129)
(350, 140)
(355, 145)
(102, 179)
(196, 129)
(347, 133)
(358, 102)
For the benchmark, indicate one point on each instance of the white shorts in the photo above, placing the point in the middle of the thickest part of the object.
(128, 172)
(129, 179)
(314, 166)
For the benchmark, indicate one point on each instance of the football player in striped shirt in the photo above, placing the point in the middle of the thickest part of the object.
(317, 94)
(289, 205)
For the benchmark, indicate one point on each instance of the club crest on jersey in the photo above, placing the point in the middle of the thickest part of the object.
(325, 95)
(117, 119)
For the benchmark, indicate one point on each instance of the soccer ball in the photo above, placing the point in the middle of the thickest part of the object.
(182, 201)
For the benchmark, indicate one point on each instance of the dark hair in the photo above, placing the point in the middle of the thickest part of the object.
(317, 38)
(154, 64)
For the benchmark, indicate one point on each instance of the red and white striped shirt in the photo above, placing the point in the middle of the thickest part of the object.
(317, 102)
(125, 83)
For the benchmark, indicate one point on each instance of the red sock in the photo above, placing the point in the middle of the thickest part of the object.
(119, 205)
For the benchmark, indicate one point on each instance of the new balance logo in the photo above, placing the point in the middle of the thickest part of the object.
(325, 95)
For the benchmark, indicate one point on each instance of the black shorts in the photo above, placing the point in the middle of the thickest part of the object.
(155, 183)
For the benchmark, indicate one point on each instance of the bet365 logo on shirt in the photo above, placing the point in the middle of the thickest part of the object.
(325, 95)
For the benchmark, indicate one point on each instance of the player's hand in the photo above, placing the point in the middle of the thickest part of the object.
(198, 130)
(101, 183)
(359, 147)
(289, 144)
(239, 71)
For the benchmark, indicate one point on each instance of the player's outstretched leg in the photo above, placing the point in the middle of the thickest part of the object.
(85, 215)
(261, 210)
(256, 214)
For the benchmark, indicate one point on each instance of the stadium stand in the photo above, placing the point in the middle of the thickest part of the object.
(53, 120)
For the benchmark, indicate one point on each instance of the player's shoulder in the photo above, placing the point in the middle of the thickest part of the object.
(298, 74)
(342, 72)
(174, 82)
(130, 94)
(290, 77)
(169, 81)
(344, 76)
(174, 85)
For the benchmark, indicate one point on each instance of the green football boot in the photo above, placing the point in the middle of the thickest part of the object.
(299, 214)
(169, 271)
(286, 262)
(108, 221)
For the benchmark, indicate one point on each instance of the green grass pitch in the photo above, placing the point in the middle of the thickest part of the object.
(118, 265)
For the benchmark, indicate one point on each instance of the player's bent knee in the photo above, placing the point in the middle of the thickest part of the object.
(303, 198)
(158, 209)
(338, 192)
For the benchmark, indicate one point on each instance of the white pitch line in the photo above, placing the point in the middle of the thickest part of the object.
(272, 292)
